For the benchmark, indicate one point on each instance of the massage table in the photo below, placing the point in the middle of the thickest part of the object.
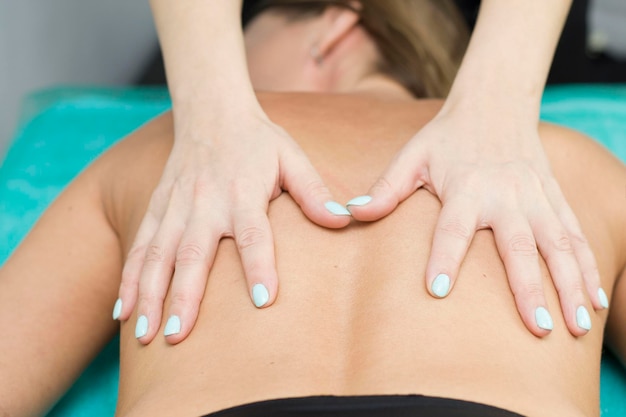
(61, 130)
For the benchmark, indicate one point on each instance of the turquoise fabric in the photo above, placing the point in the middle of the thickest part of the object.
(63, 129)
(600, 112)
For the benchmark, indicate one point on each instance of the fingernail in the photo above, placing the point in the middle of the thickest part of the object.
(604, 300)
(260, 295)
(117, 309)
(582, 318)
(141, 329)
(543, 318)
(359, 201)
(172, 326)
(441, 285)
(336, 208)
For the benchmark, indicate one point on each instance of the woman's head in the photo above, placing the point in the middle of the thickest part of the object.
(418, 43)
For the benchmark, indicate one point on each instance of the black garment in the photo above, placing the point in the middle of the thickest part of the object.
(364, 406)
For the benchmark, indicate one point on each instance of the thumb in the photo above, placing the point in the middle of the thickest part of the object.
(405, 174)
(306, 187)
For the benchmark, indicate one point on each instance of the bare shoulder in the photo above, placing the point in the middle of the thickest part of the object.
(587, 171)
(565, 146)
(593, 181)
(131, 170)
(146, 148)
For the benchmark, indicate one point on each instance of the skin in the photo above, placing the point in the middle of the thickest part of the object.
(353, 317)
(462, 155)
(533, 216)
(346, 323)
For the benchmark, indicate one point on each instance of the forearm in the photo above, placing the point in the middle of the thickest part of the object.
(509, 56)
(205, 61)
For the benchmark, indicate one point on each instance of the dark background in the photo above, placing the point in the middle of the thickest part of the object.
(573, 62)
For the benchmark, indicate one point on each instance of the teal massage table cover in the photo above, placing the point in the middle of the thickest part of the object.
(63, 129)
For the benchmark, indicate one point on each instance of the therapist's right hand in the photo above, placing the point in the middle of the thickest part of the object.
(210, 189)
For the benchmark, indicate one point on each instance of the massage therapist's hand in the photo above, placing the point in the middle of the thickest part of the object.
(213, 187)
(493, 173)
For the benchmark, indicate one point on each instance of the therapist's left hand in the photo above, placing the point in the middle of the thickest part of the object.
(493, 174)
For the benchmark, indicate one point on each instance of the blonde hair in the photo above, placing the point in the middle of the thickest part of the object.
(421, 42)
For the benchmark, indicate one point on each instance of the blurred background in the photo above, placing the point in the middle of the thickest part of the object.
(46, 43)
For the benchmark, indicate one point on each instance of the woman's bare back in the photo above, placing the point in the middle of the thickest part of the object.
(353, 315)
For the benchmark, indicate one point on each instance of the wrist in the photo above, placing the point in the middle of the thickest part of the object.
(484, 102)
(207, 121)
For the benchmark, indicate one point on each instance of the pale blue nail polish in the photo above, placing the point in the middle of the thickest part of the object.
(582, 318)
(336, 208)
(604, 300)
(441, 285)
(141, 329)
(359, 201)
(117, 309)
(172, 326)
(543, 319)
(260, 295)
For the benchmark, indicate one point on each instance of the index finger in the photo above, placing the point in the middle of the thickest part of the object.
(255, 242)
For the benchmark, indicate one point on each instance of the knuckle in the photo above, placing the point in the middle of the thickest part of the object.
(150, 299)
(128, 286)
(136, 253)
(572, 288)
(155, 254)
(455, 228)
(190, 254)
(160, 195)
(553, 188)
(316, 188)
(522, 245)
(185, 299)
(530, 290)
(382, 185)
(241, 190)
(562, 244)
(578, 238)
(249, 236)
(203, 187)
